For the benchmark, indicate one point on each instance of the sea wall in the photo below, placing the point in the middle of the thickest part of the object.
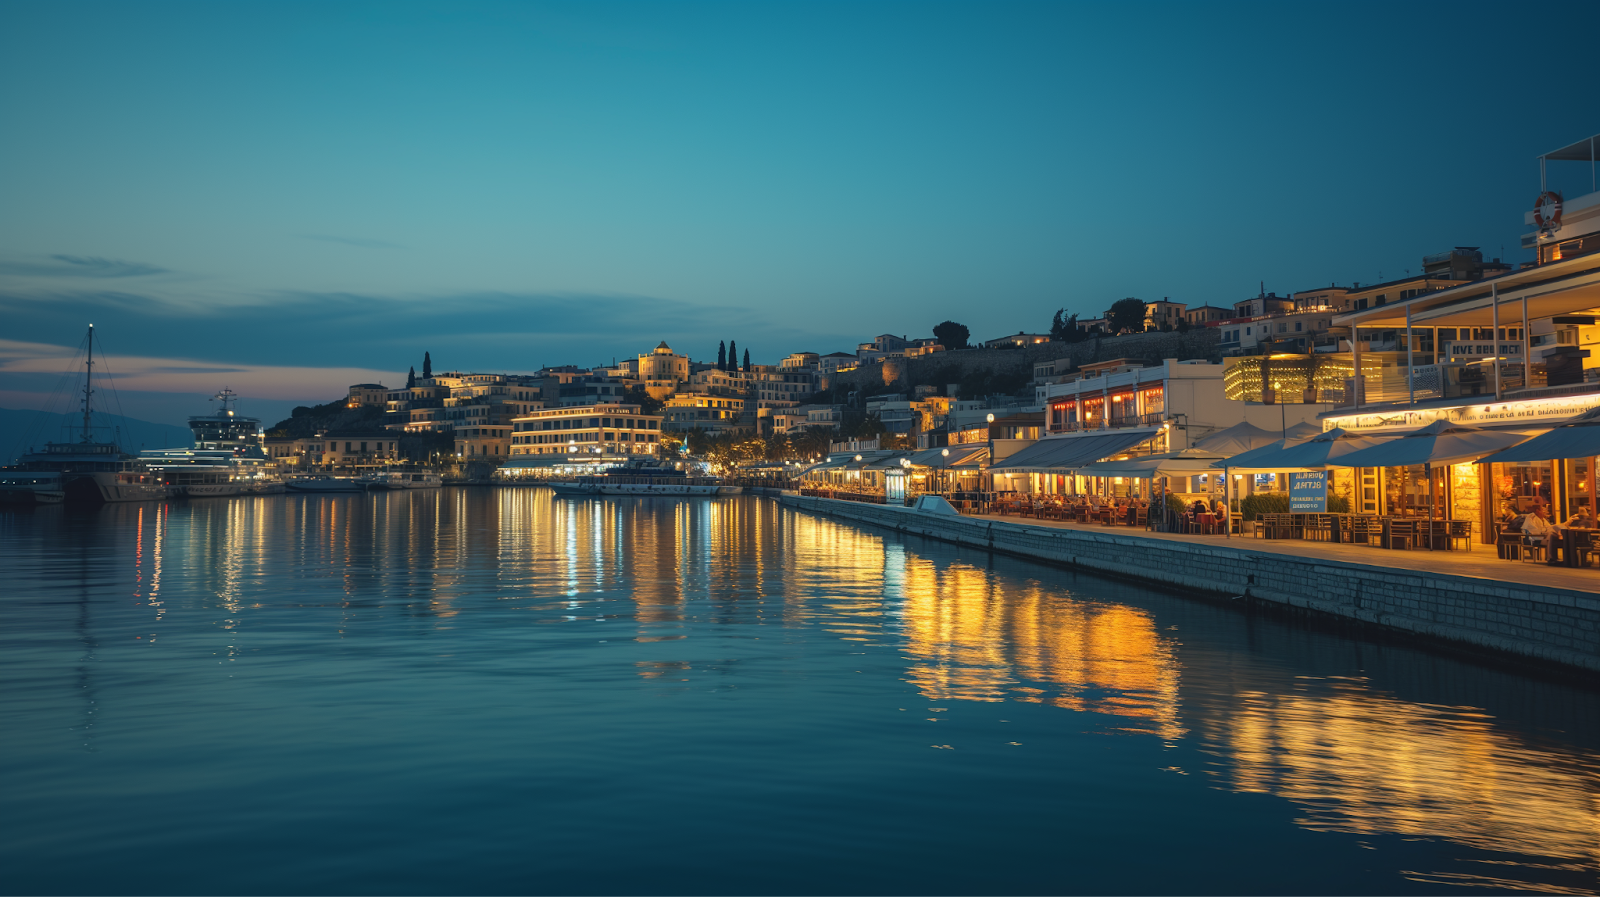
(1560, 626)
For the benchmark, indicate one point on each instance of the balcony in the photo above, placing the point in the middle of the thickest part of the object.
(1150, 419)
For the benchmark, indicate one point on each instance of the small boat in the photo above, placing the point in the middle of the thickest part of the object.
(27, 487)
(402, 479)
(325, 484)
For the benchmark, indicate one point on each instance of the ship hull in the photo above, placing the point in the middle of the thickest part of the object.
(674, 489)
(328, 484)
(103, 488)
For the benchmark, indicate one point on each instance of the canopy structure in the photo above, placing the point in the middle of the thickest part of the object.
(952, 456)
(1241, 437)
(1439, 443)
(1578, 437)
(1287, 455)
(1189, 462)
(1067, 453)
(1304, 430)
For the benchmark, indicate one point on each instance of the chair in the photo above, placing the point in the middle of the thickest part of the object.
(1508, 544)
(1535, 551)
(1580, 547)
(1400, 534)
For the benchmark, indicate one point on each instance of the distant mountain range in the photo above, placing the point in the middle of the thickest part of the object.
(21, 429)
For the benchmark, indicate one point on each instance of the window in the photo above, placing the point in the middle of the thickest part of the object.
(1298, 326)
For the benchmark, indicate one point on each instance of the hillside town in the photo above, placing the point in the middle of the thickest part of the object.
(1030, 413)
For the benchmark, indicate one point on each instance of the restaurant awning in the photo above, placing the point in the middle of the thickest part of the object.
(1241, 437)
(1577, 438)
(951, 456)
(1189, 462)
(1288, 455)
(1067, 453)
(1440, 442)
(1304, 430)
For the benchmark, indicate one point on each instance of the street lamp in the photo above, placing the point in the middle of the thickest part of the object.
(990, 430)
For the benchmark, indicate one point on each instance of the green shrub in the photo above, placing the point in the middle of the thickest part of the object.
(1253, 506)
(1338, 504)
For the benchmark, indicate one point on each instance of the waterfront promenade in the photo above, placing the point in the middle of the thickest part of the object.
(1481, 562)
(1467, 598)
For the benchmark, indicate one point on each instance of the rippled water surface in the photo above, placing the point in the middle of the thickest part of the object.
(475, 691)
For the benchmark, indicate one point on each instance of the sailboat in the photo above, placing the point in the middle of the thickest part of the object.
(92, 471)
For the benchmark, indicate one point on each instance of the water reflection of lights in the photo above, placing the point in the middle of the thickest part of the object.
(1365, 763)
(971, 638)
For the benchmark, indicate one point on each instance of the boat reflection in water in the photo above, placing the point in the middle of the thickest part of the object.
(1397, 748)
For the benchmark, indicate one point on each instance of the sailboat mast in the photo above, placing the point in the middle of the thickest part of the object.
(88, 383)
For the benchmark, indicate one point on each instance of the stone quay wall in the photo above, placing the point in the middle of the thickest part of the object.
(942, 368)
(1560, 626)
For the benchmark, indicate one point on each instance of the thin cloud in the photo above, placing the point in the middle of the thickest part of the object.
(80, 266)
(352, 241)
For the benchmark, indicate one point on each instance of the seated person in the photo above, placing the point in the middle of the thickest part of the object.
(1220, 509)
(1199, 506)
(1536, 526)
(1580, 520)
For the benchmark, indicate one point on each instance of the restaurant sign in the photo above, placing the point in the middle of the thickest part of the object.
(1531, 412)
(1308, 492)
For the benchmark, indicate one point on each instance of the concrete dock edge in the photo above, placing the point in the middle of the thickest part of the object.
(1551, 625)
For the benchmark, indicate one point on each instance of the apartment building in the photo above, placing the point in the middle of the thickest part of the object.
(600, 429)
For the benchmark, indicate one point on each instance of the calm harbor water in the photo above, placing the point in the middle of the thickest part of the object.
(476, 691)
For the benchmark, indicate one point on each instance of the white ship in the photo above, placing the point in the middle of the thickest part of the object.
(93, 471)
(227, 457)
(643, 477)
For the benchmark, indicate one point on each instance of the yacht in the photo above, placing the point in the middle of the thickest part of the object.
(31, 488)
(91, 470)
(227, 457)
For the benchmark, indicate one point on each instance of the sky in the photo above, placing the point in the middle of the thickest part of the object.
(287, 198)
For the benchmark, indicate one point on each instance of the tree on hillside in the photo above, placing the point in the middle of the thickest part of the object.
(648, 404)
(1064, 328)
(1126, 316)
(427, 366)
(722, 356)
(747, 361)
(733, 356)
(411, 378)
(952, 335)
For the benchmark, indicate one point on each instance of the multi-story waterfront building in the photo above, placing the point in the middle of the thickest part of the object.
(605, 429)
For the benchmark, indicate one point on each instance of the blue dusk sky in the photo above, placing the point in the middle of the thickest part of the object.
(286, 198)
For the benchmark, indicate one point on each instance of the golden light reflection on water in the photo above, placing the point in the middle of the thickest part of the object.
(1359, 762)
(1352, 758)
(974, 637)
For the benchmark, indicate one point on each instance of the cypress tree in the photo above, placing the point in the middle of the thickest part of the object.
(427, 366)
(733, 355)
(411, 378)
(747, 361)
(722, 356)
